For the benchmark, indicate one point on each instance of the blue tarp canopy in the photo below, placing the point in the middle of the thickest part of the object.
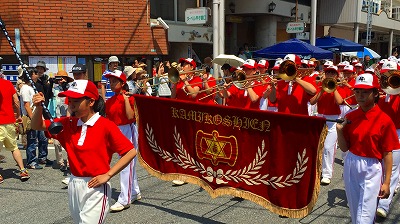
(293, 46)
(336, 44)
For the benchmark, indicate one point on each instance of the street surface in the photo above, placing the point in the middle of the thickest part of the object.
(43, 199)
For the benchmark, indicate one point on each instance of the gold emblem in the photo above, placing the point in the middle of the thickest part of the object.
(216, 148)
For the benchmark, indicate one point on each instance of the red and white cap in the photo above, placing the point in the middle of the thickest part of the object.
(305, 62)
(366, 81)
(277, 64)
(369, 70)
(116, 73)
(311, 64)
(358, 65)
(188, 60)
(354, 61)
(331, 68)
(349, 68)
(292, 57)
(392, 58)
(81, 88)
(388, 66)
(383, 61)
(249, 63)
(263, 64)
(328, 63)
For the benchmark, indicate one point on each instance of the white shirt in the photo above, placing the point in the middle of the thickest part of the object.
(27, 93)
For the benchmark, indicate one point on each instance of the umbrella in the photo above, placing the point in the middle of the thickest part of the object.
(336, 44)
(232, 60)
(360, 54)
(367, 51)
(293, 46)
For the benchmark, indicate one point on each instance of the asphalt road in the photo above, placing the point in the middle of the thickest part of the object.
(43, 199)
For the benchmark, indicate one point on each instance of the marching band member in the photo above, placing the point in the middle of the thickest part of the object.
(312, 109)
(346, 90)
(390, 104)
(262, 67)
(249, 96)
(292, 96)
(359, 68)
(328, 107)
(208, 88)
(188, 81)
(119, 109)
(274, 72)
(369, 138)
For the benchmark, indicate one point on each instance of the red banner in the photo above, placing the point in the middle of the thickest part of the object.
(272, 159)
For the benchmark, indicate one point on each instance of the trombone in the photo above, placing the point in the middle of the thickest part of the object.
(288, 71)
(173, 75)
(390, 82)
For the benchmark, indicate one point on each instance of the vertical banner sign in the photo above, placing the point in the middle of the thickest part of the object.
(272, 159)
(17, 40)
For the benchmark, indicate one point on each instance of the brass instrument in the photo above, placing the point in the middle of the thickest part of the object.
(288, 71)
(329, 85)
(390, 82)
(173, 75)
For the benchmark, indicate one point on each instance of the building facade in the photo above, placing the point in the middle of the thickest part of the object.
(63, 33)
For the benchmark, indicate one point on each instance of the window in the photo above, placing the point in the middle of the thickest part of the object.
(183, 5)
(162, 8)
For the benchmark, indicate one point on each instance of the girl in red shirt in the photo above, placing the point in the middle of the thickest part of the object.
(328, 107)
(119, 109)
(90, 141)
(369, 138)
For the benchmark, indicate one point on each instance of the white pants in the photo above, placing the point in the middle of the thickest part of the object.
(88, 205)
(328, 157)
(272, 109)
(312, 109)
(263, 103)
(128, 176)
(362, 179)
(394, 180)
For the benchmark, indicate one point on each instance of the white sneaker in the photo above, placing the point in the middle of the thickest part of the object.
(325, 181)
(381, 212)
(118, 207)
(178, 182)
(136, 197)
(66, 180)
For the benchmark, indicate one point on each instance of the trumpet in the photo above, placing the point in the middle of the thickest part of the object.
(288, 71)
(390, 82)
(329, 85)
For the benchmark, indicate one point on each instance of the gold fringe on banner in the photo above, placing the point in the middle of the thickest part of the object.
(292, 213)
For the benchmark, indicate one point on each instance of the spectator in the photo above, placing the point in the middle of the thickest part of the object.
(8, 137)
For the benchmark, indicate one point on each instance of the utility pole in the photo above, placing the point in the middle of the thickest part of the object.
(369, 22)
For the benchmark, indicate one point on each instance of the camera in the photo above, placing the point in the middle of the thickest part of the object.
(162, 23)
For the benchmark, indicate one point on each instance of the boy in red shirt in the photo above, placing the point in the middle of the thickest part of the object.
(369, 138)
(90, 141)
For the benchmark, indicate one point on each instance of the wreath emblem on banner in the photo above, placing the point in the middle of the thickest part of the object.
(249, 175)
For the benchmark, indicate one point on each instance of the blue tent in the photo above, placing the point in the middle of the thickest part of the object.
(336, 44)
(293, 46)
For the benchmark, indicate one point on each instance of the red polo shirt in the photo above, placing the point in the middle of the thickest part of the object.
(240, 97)
(327, 104)
(294, 103)
(182, 95)
(208, 97)
(370, 133)
(7, 91)
(115, 109)
(93, 157)
(391, 108)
